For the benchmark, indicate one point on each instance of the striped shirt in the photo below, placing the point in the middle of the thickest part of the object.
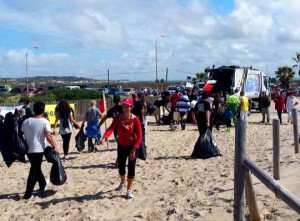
(183, 104)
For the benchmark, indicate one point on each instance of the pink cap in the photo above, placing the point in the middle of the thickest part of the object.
(127, 101)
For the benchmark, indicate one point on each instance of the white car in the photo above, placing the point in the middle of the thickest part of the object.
(127, 91)
(172, 89)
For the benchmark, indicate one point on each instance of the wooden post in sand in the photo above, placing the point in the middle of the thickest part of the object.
(295, 129)
(276, 149)
(250, 197)
(239, 171)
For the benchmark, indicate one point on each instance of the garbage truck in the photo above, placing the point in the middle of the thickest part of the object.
(227, 79)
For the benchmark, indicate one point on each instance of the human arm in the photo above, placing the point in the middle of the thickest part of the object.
(74, 122)
(207, 113)
(83, 122)
(51, 141)
(138, 140)
(109, 131)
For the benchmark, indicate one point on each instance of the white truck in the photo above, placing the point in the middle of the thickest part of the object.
(230, 78)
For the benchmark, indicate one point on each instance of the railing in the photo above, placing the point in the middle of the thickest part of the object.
(241, 178)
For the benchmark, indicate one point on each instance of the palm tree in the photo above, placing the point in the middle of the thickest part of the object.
(297, 60)
(200, 76)
(285, 74)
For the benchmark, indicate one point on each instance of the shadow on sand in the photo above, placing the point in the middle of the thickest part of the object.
(80, 199)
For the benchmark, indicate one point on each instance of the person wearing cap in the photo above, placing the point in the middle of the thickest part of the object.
(129, 139)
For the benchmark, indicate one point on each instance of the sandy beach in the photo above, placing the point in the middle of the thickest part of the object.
(169, 185)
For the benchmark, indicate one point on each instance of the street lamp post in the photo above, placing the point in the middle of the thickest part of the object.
(26, 63)
(156, 79)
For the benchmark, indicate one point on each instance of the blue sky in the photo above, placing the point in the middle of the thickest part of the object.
(86, 38)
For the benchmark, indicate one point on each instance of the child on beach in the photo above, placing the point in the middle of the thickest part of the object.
(228, 118)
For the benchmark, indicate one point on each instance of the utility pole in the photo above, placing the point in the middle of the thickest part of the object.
(167, 76)
(108, 77)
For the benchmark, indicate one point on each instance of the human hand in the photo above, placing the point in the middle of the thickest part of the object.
(132, 154)
(102, 141)
(56, 149)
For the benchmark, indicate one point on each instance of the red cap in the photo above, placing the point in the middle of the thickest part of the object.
(127, 101)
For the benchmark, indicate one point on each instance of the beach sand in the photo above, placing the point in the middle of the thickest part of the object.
(168, 186)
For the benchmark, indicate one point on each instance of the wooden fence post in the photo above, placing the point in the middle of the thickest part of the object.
(239, 170)
(276, 149)
(295, 129)
(250, 197)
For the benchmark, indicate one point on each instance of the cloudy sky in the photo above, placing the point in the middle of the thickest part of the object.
(87, 37)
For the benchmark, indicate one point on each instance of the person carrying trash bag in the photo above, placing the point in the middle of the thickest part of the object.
(35, 130)
(129, 140)
(57, 173)
(92, 117)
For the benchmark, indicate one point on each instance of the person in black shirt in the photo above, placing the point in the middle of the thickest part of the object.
(165, 96)
(113, 112)
(203, 110)
(265, 104)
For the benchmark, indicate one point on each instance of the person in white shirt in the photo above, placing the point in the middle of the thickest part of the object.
(35, 130)
(291, 102)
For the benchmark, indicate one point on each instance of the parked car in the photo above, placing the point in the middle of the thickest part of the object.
(127, 91)
(17, 90)
(41, 90)
(147, 91)
(72, 87)
(30, 90)
(4, 91)
(181, 88)
(90, 88)
(51, 88)
(114, 91)
(172, 89)
(106, 90)
(5, 86)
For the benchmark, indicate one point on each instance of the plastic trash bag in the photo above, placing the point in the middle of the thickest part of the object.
(57, 174)
(80, 138)
(206, 146)
(142, 153)
(20, 147)
(6, 152)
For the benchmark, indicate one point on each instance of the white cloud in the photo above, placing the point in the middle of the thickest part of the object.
(89, 37)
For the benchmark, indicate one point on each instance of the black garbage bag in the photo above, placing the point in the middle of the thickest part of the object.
(6, 151)
(20, 147)
(80, 138)
(166, 119)
(206, 146)
(57, 174)
(142, 151)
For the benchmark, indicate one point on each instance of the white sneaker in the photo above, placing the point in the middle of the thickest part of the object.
(47, 185)
(97, 147)
(121, 186)
(129, 194)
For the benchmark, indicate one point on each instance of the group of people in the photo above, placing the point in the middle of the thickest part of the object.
(285, 103)
(128, 126)
(129, 121)
(203, 110)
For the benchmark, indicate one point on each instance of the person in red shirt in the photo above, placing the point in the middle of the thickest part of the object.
(129, 140)
(173, 100)
(279, 105)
